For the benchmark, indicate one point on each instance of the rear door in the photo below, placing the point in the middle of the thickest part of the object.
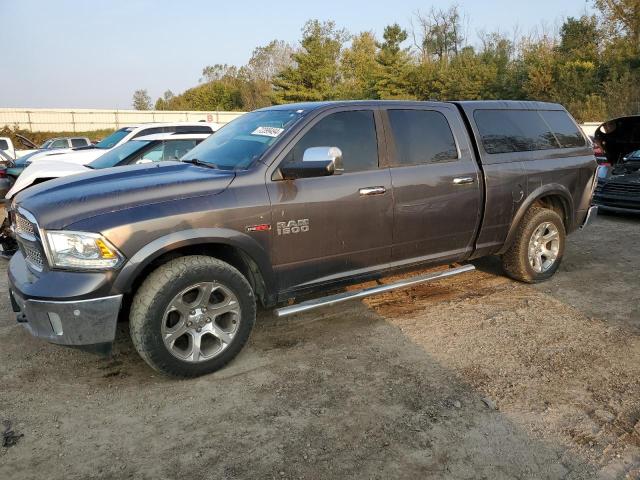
(436, 184)
(327, 228)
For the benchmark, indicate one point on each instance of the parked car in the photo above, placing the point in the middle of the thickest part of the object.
(84, 155)
(618, 188)
(146, 149)
(57, 143)
(289, 201)
(8, 148)
(618, 137)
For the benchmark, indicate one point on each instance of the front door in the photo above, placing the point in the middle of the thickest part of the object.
(330, 227)
(436, 185)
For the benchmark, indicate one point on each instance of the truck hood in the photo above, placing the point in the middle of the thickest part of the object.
(79, 157)
(63, 201)
(44, 169)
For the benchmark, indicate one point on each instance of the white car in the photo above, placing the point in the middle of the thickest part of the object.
(85, 155)
(146, 149)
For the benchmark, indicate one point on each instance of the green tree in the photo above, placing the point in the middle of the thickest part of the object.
(359, 68)
(315, 75)
(394, 64)
(141, 100)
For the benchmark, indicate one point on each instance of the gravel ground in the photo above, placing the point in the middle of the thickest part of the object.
(475, 377)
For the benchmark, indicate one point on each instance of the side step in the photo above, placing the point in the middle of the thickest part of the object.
(366, 292)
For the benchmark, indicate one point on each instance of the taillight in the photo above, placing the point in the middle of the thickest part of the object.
(3, 173)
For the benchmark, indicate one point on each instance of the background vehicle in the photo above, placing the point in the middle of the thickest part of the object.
(84, 155)
(149, 148)
(618, 188)
(57, 143)
(618, 137)
(288, 201)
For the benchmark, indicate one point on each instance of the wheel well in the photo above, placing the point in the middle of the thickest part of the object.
(556, 203)
(231, 255)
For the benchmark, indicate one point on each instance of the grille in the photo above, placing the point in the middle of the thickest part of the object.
(624, 188)
(24, 226)
(33, 255)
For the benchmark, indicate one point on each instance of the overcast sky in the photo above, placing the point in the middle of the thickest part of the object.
(94, 54)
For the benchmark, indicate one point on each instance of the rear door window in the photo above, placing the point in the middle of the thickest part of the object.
(352, 132)
(78, 142)
(506, 131)
(563, 128)
(422, 136)
(191, 129)
(149, 131)
(60, 143)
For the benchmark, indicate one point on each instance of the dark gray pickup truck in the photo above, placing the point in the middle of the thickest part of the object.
(287, 202)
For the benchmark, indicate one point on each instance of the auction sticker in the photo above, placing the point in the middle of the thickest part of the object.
(268, 131)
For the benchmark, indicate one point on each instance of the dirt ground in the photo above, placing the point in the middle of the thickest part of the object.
(475, 377)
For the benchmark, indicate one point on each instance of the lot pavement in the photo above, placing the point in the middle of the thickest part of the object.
(472, 377)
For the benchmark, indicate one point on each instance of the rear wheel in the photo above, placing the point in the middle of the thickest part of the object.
(538, 247)
(192, 316)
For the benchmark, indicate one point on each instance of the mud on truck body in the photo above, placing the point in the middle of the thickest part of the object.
(287, 202)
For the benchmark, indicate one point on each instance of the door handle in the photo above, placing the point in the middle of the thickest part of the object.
(372, 191)
(462, 180)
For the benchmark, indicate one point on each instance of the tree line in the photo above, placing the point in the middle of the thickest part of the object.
(591, 64)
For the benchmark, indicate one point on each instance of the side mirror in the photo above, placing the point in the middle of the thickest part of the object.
(143, 160)
(316, 162)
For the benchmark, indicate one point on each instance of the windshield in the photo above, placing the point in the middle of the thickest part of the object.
(113, 139)
(46, 144)
(243, 141)
(634, 155)
(115, 156)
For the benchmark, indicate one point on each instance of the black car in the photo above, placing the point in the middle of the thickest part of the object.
(618, 188)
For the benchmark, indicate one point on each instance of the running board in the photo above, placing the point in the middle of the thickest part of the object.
(343, 297)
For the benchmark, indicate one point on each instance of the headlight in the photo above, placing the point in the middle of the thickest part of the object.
(81, 250)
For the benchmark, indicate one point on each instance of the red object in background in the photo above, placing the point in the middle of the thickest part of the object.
(597, 149)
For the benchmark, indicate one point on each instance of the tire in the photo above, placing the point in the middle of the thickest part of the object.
(173, 299)
(518, 264)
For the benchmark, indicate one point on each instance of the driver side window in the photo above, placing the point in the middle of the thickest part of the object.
(354, 133)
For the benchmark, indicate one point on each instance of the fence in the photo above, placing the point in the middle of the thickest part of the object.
(85, 120)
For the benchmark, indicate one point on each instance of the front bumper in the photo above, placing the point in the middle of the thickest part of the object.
(66, 308)
(74, 323)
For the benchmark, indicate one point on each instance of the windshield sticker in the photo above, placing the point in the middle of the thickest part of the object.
(268, 131)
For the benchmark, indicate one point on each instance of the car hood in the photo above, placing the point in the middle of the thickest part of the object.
(63, 201)
(619, 137)
(44, 169)
(80, 157)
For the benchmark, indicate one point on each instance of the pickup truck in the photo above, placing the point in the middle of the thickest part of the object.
(7, 146)
(288, 202)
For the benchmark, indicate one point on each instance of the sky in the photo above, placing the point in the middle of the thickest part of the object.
(96, 53)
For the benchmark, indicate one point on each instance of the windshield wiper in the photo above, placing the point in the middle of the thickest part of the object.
(200, 163)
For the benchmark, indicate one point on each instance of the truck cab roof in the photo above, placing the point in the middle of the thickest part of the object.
(467, 104)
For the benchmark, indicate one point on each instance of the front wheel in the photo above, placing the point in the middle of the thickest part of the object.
(192, 316)
(538, 247)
